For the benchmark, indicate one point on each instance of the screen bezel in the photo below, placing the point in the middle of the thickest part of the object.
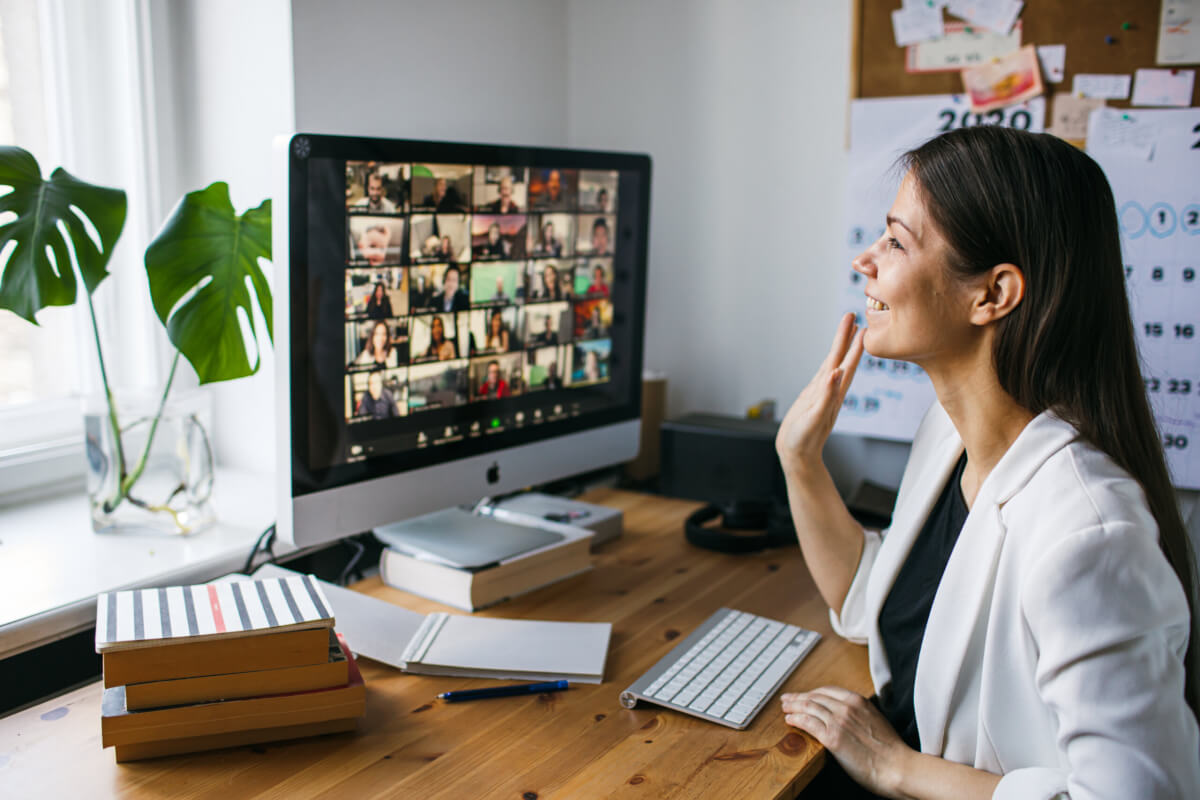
(633, 233)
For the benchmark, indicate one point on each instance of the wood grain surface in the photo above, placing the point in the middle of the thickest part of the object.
(650, 584)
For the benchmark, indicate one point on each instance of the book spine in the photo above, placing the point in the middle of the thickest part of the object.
(434, 581)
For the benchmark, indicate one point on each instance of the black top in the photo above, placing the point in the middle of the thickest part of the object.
(906, 611)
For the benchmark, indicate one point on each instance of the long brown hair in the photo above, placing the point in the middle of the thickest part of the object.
(1004, 196)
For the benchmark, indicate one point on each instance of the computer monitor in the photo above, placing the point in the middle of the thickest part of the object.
(453, 321)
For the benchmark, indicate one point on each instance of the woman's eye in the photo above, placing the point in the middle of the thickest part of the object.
(893, 243)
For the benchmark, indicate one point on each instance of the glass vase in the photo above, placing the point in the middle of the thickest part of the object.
(158, 476)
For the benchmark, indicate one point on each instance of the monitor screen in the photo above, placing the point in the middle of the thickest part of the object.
(451, 301)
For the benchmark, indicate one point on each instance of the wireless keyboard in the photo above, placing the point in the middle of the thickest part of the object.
(726, 670)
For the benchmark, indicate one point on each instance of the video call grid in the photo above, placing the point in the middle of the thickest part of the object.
(495, 283)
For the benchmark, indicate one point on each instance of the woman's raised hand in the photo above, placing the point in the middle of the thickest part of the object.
(809, 421)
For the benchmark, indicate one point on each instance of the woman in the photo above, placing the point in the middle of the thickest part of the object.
(497, 336)
(1028, 612)
(548, 243)
(550, 289)
(379, 305)
(378, 351)
(440, 347)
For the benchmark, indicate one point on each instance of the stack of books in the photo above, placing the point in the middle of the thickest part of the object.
(190, 668)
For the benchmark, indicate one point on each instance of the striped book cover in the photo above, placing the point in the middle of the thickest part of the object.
(168, 615)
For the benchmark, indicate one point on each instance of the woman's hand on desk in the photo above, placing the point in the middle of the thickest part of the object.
(854, 730)
(874, 755)
(809, 421)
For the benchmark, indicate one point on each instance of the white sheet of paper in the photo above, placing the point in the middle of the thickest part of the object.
(995, 15)
(1158, 208)
(1053, 58)
(1179, 32)
(1106, 87)
(918, 22)
(958, 49)
(1163, 87)
(1121, 133)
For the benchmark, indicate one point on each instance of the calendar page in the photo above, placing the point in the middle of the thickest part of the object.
(1158, 204)
(888, 398)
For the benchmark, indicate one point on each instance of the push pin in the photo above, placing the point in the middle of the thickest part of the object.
(1126, 26)
(1109, 40)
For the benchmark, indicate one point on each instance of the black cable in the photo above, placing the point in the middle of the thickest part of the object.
(353, 562)
(269, 537)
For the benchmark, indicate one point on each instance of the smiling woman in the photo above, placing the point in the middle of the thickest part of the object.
(1028, 613)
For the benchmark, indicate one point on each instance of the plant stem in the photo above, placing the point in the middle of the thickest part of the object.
(112, 502)
(127, 481)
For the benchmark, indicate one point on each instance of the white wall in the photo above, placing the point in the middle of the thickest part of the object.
(467, 70)
(742, 106)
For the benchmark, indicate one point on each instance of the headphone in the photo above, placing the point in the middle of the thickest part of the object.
(772, 520)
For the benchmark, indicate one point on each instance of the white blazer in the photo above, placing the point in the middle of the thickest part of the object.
(1054, 650)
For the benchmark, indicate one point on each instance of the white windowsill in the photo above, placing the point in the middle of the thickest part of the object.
(52, 565)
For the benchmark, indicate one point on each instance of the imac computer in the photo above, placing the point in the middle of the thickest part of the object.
(454, 321)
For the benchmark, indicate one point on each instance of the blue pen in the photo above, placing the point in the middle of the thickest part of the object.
(503, 691)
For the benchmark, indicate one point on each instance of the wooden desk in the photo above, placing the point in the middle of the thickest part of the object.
(582, 743)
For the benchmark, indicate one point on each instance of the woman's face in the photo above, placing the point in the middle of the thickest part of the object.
(379, 339)
(497, 323)
(549, 278)
(493, 233)
(450, 282)
(437, 330)
(379, 292)
(916, 309)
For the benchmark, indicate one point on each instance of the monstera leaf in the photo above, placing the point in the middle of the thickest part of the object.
(199, 266)
(31, 279)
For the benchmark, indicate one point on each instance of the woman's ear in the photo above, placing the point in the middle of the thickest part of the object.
(1001, 290)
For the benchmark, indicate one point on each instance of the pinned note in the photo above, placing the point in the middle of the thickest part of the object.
(917, 22)
(1053, 58)
(962, 46)
(1009, 80)
(1104, 87)
(1069, 119)
(1121, 133)
(1179, 32)
(1163, 87)
(995, 15)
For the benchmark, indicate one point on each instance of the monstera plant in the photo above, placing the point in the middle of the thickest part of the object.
(202, 267)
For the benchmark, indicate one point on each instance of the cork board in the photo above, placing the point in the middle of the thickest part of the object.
(1082, 25)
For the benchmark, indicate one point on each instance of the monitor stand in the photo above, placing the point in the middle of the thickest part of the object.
(464, 537)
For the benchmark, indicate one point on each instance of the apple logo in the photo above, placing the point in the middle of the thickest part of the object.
(493, 473)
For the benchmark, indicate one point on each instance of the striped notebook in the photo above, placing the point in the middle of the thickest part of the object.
(167, 615)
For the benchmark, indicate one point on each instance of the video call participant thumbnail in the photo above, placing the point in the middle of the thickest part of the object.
(434, 338)
(378, 394)
(494, 330)
(548, 324)
(552, 189)
(376, 293)
(591, 361)
(376, 188)
(500, 190)
(497, 377)
(593, 277)
(377, 344)
(444, 188)
(552, 235)
(376, 241)
(593, 319)
(595, 235)
(438, 287)
(598, 191)
(545, 281)
(547, 367)
(495, 282)
(438, 385)
(498, 236)
(439, 237)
